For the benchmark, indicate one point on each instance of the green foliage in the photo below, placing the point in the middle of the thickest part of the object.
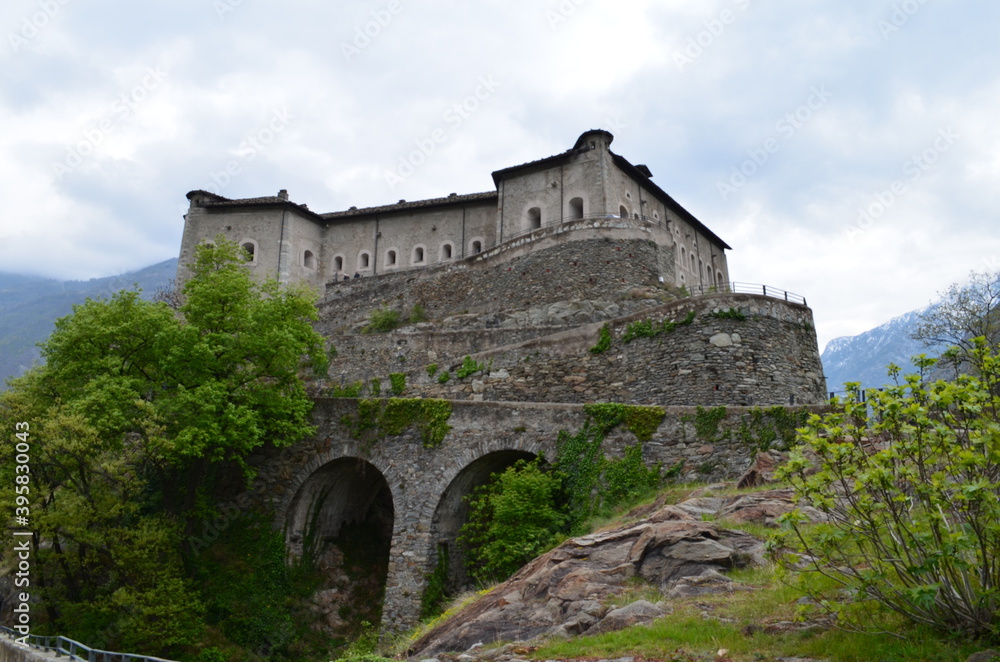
(628, 478)
(731, 314)
(432, 369)
(417, 314)
(136, 412)
(382, 320)
(649, 329)
(376, 419)
(468, 367)
(434, 595)
(397, 383)
(914, 520)
(375, 387)
(512, 519)
(352, 390)
(444, 377)
(603, 341)
(642, 421)
(774, 427)
(706, 423)
(579, 462)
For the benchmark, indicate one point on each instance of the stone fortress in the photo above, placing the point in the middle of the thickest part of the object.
(538, 288)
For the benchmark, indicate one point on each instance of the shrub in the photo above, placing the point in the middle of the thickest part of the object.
(432, 369)
(382, 320)
(468, 367)
(444, 377)
(397, 382)
(417, 314)
(512, 519)
(910, 483)
(603, 341)
(376, 387)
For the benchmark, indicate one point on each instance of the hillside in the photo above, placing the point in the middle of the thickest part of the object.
(864, 357)
(30, 305)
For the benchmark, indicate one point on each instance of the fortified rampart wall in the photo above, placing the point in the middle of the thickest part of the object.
(558, 264)
(769, 357)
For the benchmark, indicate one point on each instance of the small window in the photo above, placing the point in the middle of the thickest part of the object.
(534, 218)
(683, 256)
(446, 252)
(476, 246)
(692, 262)
(718, 278)
(390, 258)
(251, 251)
(418, 255)
(622, 212)
(308, 261)
(338, 264)
(576, 209)
(364, 260)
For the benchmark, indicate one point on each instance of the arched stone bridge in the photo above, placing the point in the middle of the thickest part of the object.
(413, 494)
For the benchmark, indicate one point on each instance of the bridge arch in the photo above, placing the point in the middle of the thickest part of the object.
(452, 510)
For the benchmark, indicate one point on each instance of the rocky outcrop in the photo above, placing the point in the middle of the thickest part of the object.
(565, 592)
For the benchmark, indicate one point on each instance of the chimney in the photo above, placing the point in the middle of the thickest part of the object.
(283, 194)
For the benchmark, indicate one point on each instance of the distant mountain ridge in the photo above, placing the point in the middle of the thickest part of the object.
(864, 357)
(29, 306)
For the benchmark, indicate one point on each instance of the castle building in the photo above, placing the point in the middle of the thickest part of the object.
(585, 184)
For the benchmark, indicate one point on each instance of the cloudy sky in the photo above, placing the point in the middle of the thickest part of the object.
(849, 150)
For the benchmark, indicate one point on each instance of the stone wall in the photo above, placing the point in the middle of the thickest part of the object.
(588, 265)
(419, 478)
(768, 358)
(11, 652)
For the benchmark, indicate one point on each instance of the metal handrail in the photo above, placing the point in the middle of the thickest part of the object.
(65, 646)
(768, 291)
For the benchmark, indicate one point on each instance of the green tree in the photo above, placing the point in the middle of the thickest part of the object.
(964, 312)
(910, 484)
(512, 519)
(137, 410)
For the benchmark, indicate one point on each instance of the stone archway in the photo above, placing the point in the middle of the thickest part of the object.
(452, 510)
(341, 520)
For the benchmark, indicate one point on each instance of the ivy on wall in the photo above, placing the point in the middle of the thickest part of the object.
(375, 419)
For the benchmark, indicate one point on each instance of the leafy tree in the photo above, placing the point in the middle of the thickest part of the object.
(139, 408)
(512, 519)
(910, 482)
(964, 313)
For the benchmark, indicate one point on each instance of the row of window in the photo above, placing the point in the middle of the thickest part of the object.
(694, 265)
(534, 219)
(418, 256)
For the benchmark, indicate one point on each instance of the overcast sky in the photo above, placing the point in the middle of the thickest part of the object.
(848, 150)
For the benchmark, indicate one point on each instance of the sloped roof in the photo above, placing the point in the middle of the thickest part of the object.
(216, 201)
(404, 205)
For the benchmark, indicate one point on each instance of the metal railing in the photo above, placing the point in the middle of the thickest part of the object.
(76, 651)
(748, 288)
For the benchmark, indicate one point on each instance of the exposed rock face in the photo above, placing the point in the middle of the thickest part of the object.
(563, 591)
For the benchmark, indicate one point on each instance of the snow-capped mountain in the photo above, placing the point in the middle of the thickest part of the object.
(864, 357)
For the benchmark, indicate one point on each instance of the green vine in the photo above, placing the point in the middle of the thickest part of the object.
(639, 420)
(397, 383)
(435, 594)
(603, 341)
(731, 314)
(774, 427)
(706, 424)
(376, 419)
(376, 387)
(649, 329)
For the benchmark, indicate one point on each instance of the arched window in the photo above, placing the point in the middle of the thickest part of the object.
(718, 278)
(251, 250)
(576, 208)
(622, 212)
(338, 263)
(308, 260)
(692, 263)
(476, 246)
(446, 251)
(534, 218)
(683, 257)
(390, 258)
(418, 255)
(364, 260)
(708, 272)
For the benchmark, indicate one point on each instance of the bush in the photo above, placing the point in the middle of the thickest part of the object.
(468, 367)
(382, 320)
(512, 519)
(397, 382)
(909, 481)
